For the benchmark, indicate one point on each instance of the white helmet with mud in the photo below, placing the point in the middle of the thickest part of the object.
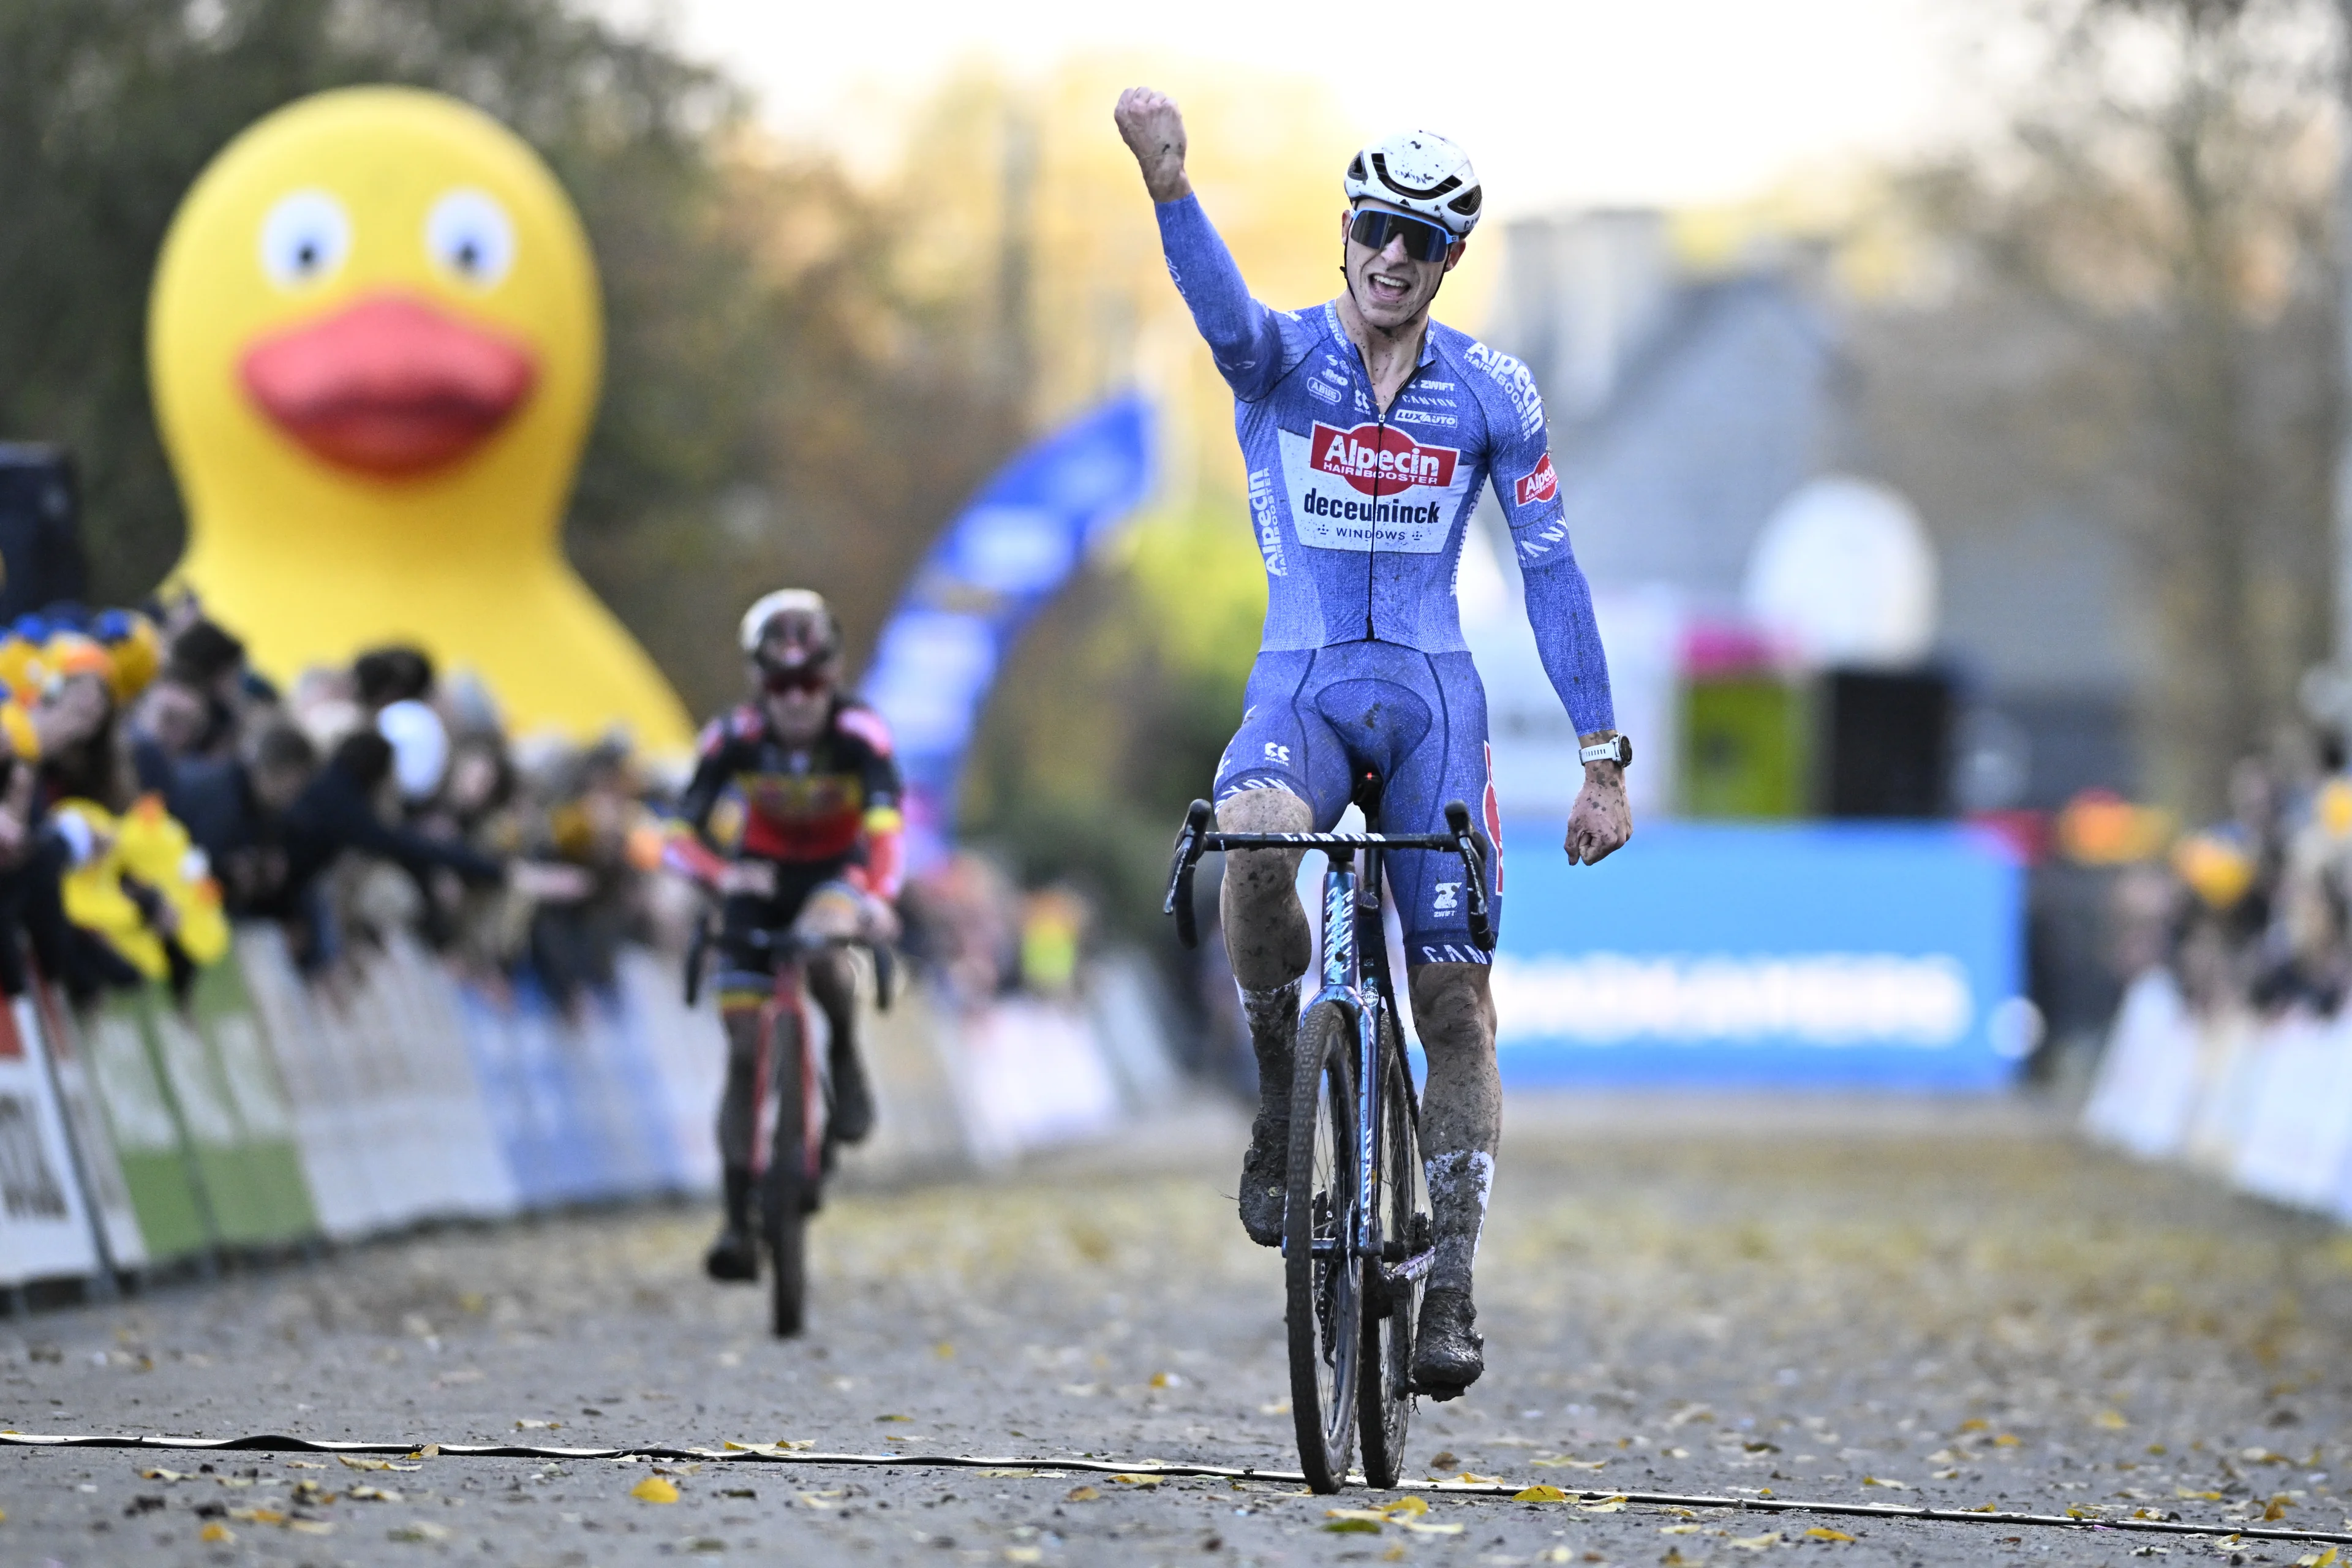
(1423, 173)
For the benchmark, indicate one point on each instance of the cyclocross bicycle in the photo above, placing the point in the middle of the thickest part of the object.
(793, 1094)
(1356, 1242)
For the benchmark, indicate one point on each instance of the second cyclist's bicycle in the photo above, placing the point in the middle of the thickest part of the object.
(1356, 1243)
(793, 1097)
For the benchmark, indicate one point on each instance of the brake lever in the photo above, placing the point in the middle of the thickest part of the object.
(1474, 865)
(1179, 902)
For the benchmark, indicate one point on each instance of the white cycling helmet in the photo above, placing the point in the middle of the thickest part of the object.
(1422, 172)
(818, 632)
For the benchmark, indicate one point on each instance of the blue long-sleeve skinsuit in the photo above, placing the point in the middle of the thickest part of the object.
(1359, 515)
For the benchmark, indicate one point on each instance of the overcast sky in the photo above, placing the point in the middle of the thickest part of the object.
(1652, 101)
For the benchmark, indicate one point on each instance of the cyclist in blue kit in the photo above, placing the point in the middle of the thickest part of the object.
(1368, 431)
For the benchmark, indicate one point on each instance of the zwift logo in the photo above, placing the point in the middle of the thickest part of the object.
(1376, 460)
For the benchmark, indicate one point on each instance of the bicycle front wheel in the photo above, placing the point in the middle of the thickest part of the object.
(1325, 1302)
(1392, 1307)
(787, 1190)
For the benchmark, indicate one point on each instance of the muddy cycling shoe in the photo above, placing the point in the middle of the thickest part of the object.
(734, 1257)
(853, 1098)
(1265, 1172)
(1447, 1354)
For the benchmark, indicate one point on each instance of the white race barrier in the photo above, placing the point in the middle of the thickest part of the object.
(392, 1093)
(2266, 1106)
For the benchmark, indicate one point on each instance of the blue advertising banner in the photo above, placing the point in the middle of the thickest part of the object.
(1024, 535)
(1815, 955)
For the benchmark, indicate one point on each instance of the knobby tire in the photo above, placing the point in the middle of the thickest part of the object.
(1400, 1191)
(1323, 1295)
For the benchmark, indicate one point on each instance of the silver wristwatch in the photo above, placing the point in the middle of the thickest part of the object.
(1615, 749)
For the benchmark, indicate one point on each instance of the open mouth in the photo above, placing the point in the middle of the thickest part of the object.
(389, 385)
(1387, 288)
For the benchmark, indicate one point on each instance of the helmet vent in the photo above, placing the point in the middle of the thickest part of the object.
(1426, 193)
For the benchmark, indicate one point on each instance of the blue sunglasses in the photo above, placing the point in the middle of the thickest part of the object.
(1373, 227)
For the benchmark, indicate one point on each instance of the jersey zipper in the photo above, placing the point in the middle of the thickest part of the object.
(1380, 417)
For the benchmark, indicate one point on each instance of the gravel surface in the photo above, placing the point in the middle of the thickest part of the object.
(1833, 1300)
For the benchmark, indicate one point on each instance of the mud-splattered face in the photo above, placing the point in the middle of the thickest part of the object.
(1389, 286)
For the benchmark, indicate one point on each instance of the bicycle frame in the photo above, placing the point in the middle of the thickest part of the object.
(790, 996)
(1351, 927)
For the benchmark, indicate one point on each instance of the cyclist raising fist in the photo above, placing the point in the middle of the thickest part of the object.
(819, 791)
(1368, 431)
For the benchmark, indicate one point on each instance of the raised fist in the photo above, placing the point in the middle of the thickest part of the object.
(1153, 128)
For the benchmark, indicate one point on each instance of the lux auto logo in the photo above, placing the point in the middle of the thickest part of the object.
(1380, 460)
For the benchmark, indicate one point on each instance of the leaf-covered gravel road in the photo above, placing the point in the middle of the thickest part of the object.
(1834, 1300)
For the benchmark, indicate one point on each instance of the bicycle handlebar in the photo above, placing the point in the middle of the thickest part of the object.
(1196, 838)
(789, 943)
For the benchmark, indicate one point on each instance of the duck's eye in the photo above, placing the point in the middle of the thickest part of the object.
(470, 235)
(304, 239)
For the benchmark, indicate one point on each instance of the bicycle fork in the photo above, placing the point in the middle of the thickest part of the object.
(1343, 986)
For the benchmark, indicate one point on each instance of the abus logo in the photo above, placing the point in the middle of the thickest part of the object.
(1540, 485)
(1378, 461)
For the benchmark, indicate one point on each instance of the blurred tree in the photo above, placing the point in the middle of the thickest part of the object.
(2145, 246)
(773, 406)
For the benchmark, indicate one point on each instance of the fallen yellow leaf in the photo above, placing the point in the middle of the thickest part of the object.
(1822, 1532)
(1973, 1423)
(2113, 1420)
(1024, 1554)
(2006, 1440)
(257, 1515)
(1406, 1507)
(1539, 1494)
(1889, 1485)
(654, 1489)
(946, 1351)
(2200, 1497)
(1128, 1481)
(1562, 1462)
(1370, 1526)
(216, 1532)
(1679, 1529)
(1166, 1380)
(1082, 1494)
(1764, 1542)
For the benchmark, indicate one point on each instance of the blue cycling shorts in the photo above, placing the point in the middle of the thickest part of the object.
(1319, 719)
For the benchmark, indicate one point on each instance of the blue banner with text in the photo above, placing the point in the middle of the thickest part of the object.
(1816, 955)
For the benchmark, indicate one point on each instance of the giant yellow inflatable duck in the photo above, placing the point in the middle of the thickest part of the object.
(374, 343)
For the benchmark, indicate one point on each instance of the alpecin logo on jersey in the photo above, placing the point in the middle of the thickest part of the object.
(1378, 460)
(1540, 485)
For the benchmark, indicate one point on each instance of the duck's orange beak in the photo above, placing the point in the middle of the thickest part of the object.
(389, 385)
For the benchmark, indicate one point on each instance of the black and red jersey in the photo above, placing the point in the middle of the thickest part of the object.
(814, 804)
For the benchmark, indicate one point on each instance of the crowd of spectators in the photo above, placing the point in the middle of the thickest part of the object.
(2250, 913)
(365, 799)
